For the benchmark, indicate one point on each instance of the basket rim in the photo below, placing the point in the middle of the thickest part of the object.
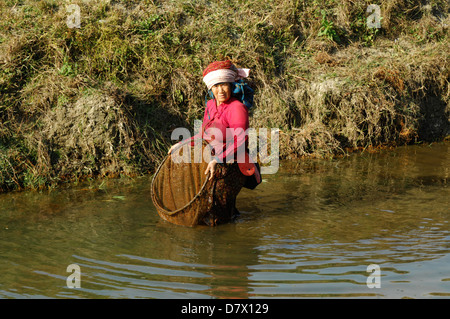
(156, 202)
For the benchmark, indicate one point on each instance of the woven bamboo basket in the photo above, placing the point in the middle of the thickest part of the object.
(180, 192)
(184, 195)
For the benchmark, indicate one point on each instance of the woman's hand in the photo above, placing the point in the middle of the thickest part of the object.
(211, 168)
(173, 147)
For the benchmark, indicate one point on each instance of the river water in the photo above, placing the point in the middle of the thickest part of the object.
(311, 230)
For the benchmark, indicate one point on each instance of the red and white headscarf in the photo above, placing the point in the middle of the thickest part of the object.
(223, 71)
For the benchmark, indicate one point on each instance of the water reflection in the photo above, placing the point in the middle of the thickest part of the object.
(309, 231)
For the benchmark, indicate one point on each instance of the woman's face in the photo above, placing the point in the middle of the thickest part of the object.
(222, 92)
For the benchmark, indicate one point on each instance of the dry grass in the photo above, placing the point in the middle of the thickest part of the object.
(326, 80)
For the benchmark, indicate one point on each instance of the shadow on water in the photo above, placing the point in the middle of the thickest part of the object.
(311, 230)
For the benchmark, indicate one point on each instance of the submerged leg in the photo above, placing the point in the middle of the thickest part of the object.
(227, 187)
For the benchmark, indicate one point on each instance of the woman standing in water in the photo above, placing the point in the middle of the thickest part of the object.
(222, 113)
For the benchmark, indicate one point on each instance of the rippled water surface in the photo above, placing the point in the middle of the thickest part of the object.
(311, 230)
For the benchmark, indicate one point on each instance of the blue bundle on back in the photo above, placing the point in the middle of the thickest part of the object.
(243, 92)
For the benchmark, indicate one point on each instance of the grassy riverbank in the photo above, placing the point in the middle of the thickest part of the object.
(102, 99)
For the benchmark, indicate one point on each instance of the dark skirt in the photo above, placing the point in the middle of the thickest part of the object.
(227, 183)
